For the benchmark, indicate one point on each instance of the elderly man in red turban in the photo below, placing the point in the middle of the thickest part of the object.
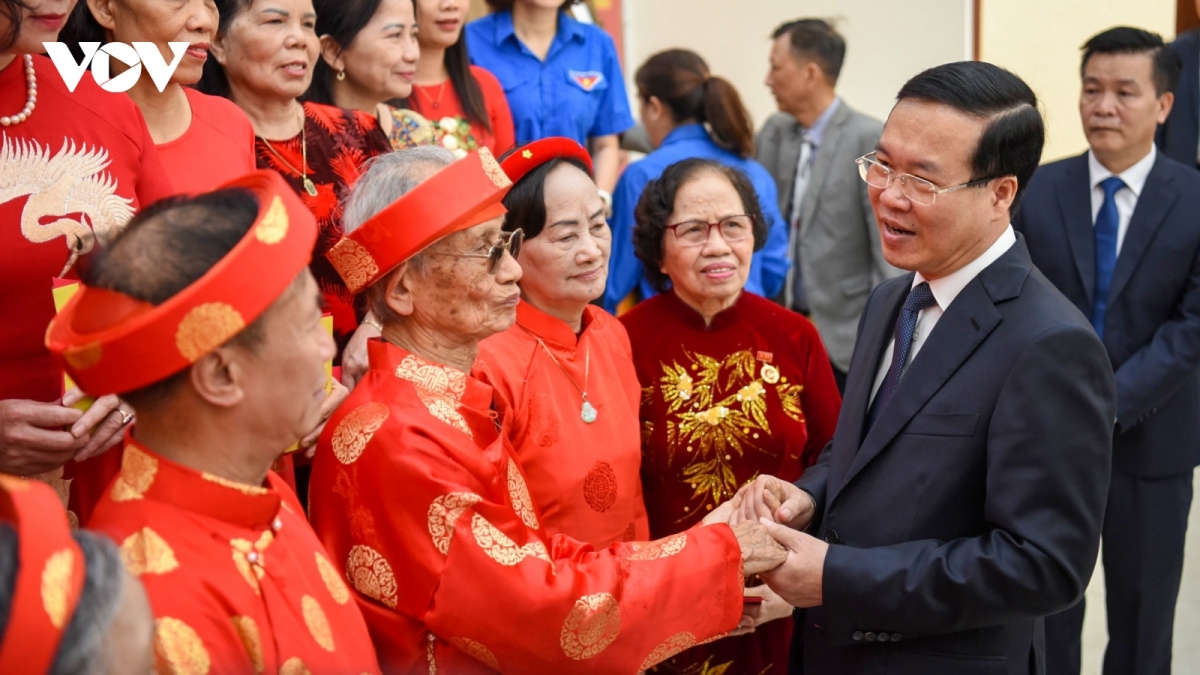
(203, 315)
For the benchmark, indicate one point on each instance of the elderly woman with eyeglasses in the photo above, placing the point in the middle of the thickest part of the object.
(734, 385)
(418, 494)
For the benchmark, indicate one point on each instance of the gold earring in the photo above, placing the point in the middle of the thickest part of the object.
(341, 75)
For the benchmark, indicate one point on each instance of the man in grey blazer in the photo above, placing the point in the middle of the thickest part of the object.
(810, 147)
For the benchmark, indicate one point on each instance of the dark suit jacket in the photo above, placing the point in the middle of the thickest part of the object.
(1179, 136)
(973, 506)
(1152, 326)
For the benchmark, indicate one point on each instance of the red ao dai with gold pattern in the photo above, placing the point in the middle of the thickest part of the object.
(750, 393)
(417, 494)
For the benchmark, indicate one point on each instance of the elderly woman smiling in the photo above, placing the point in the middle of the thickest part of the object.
(565, 369)
(735, 384)
(416, 490)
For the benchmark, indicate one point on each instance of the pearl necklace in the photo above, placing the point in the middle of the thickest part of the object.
(30, 99)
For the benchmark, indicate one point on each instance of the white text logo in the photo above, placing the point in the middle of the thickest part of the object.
(140, 54)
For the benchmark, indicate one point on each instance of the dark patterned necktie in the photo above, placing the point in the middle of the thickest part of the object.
(919, 298)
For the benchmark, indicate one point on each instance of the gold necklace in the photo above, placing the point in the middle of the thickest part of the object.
(587, 412)
(309, 187)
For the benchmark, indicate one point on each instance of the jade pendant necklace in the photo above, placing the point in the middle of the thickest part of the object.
(587, 412)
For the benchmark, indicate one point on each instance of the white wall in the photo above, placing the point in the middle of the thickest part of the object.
(888, 41)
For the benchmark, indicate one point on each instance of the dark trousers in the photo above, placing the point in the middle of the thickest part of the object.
(1145, 525)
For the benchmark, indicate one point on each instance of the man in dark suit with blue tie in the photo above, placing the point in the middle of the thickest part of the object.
(961, 498)
(1117, 229)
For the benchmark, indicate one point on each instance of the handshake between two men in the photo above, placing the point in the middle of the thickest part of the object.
(767, 516)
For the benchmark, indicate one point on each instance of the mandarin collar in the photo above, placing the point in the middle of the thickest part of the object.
(551, 328)
(693, 319)
(468, 389)
(568, 27)
(146, 474)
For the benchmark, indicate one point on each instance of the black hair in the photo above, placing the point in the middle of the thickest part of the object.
(526, 200)
(816, 39)
(342, 20)
(681, 80)
(1125, 40)
(1011, 143)
(81, 27)
(168, 247)
(214, 81)
(657, 203)
(11, 10)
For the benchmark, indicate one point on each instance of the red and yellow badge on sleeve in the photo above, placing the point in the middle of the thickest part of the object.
(111, 343)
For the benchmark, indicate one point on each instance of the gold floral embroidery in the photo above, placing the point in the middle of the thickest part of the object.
(440, 389)
(137, 475)
(60, 485)
(318, 625)
(493, 169)
(647, 432)
(719, 409)
(370, 573)
(789, 396)
(206, 327)
(294, 666)
(234, 485)
(476, 651)
(247, 631)
(591, 626)
(355, 430)
(354, 263)
(444, 513)
(653, 550)
(145, 552)
(178, 649)
(251, 558)
(500, 548)
(337, 589)
(430, 656)
(56, 577)
(672, 646)
(707, 667)
(274, 225)
(518, 493)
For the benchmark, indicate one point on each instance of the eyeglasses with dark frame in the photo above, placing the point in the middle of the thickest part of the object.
(697, 232)
(915, 189)
(509, 241)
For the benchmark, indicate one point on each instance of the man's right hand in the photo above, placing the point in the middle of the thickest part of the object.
(36, 437)
(778, 500)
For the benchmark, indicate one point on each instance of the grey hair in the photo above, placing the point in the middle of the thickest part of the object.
(79, 651)
(389, 177)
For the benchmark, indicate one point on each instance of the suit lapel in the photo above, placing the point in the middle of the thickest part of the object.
(959, 332)
(826, 154)
(789, 154)
(1075, 203)
(1157, 198)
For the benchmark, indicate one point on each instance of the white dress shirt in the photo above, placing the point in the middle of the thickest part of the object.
(1126, 198)
(944, 290)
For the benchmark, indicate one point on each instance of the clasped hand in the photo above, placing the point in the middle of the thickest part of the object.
(781, 509)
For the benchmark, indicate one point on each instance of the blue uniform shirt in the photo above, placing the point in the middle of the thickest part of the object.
(770, 264)
(577, 92)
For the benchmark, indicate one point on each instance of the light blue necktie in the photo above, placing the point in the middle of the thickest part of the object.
(1107, 222)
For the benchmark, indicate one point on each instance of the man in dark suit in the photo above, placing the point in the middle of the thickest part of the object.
(1117, 230)
(1179, 137)
(962, 495)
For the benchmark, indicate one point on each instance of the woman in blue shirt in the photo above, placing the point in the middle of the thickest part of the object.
(689, 113)
(561, 77)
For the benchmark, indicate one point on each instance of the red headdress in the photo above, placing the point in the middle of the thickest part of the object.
(462, 195)
(525, 159)
(111, 343)
(49, 577)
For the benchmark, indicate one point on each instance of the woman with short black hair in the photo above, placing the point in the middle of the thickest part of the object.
(368, 60)
(734, 384)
